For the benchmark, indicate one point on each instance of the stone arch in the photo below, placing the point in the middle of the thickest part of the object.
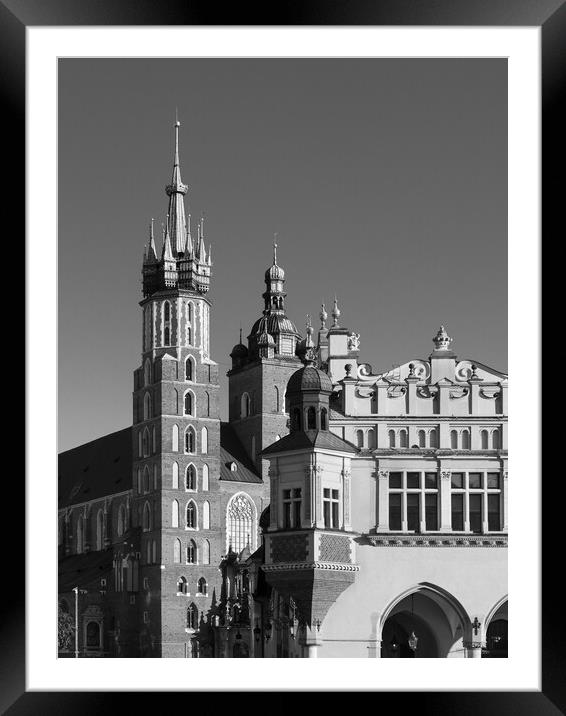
(492, 612)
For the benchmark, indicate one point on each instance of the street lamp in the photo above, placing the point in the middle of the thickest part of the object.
(77, 591)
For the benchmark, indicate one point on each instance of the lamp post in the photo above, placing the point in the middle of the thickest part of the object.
(77, 591)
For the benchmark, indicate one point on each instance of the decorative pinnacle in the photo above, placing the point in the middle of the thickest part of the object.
(442, 340)
(323, 316)
(335, 313)
(275, 248)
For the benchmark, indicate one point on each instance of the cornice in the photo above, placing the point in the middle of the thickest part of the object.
(296, 566)
(448, 540)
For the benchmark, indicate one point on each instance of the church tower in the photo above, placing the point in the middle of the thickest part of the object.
(176, 434)
(260, 371)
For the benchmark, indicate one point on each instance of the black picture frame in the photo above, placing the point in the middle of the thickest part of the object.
(550, 15)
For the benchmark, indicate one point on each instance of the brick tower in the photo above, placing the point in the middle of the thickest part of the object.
(260, 371)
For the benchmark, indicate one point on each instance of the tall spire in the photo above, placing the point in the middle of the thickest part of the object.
(176, 191)
(275, 249)
(152, 251)
(166, 253)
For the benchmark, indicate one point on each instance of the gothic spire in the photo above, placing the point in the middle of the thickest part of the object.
(176, 191)
(167, 253)
(152, 251)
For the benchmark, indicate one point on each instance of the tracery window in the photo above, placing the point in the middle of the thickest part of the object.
(192, 617)
(240, 522)
(191, 477)
(191, 515)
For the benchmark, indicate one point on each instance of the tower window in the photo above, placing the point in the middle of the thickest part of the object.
(360, 438)
(177, 551)
(484, 440)
(190, 440)
(191, 553)
(204, 441)
(191, 516)
(324, 419)
(146, 519)
(292, 500)
(245, 406)
(189, 370)
(191, 478)
(206, 515)
(311, 419)
(182, 586)
(188, 403)
(331, 508)
(205, 478)
(192, 617)
(202, 586)
(296, 419)
(206, 552)
(174, 514)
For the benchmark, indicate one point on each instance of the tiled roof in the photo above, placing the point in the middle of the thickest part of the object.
(232, 451)
(301, 440)
(84, 570)
(96, 469)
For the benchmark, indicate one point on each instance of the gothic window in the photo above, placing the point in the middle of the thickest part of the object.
(206, 515)
(276, 399)
(454, 439)
(147, 406)
(253, 448)
(311, 419)
(207, 404)
(80, 535)
(93, 635)
(204, 441)
(188, 406)
(175, 476)
(189, 369)
(139, 481)
(392, 438)
(146, 479)
(202, 586)
(148, 552)
(99, 530)
(174, 514)
(121, 526)
(191, 552)
(146, 517)
(190, 440)
(245, 405)
(422, 438)
(484, 440)
(191, 478)
(495, 440)
(205, 478)
(145, 442)
(371, 438)
(166, 323)
(182, 585)
(360, 438)
(206, 552)
(191, 515)
(324, 419)
(175, 438)
(192, 617)
(240, 522)
(177, 551)
(147, 372)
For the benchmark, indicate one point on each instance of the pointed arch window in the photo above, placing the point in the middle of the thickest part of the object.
(175, 438)
(191, 515)
(145, 442)
(190, 440)
(147, 372)
(311, 419)
(175, 476)
(80, 535)
(240, 522)
(207, 404)
(174, 514)
(206, 515)
(189, 369)
(99, 530)
(148, 552)
(206, 552)
(191, 477)
(192, 552)
(146, 518)
(153, 440)
(205, 487)
(140, 446)
(177, 551)
(121, 525)
(147, 406)
(154, 551)
(166, 323)
(146, 479)
(204, 441)
(202, 586)
(182, 587)
(276, 399)
(189, 403)
(192, 617)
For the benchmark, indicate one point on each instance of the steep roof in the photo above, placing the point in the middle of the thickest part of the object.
(232, 451)
(96, 469)
(84, 569)
(305, 440)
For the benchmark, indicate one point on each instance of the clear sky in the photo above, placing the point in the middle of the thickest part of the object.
(386, 180)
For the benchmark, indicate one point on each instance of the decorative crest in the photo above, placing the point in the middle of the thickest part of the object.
(442, 340)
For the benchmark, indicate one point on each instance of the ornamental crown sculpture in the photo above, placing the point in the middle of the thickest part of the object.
(442, 340)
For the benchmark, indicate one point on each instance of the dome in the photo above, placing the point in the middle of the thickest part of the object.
(265, 339)
(239, 351)
(275, 323)
(274, 273)
(309, 378)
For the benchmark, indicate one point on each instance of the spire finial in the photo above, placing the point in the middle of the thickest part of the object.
(323, 316)
(275, 235)
(240, 333)
(442, 340)
(335, 313)
(177, 125)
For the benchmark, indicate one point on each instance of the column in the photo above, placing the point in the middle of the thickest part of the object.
(505, 521)
(466, 509)
(404, 505)
(382, 501)
(374, 649)
(445, 521)
(473, 649)
(310, 642)
(485, 523)
(319, 517)
(346, 477)
(422, 512)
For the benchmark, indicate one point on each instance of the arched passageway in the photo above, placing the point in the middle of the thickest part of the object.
(496, 634)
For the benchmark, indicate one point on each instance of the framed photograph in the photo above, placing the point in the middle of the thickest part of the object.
(331, 227)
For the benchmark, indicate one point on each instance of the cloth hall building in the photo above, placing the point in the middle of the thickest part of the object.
(339, 512)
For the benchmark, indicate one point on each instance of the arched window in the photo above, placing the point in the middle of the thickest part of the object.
(245, 405)
(206, 515)
(392, 438)
(422, 438)
(207, 405)
(371, 438)
(202, 586)
(99, 530)
(175, 476)
(191, 478)
(177, 551)
(240, 522)
(433, 438)
(166, 323)
(93, 635)
(311, 419)
(188, 403)
(360, 438)
(192, 552)
(147, 372)
(192, 617)
(146, 519)
(153, 440)
(80, 535)
(189, 311)
(403, 438)
(454, 439)
(204, 441)
(147, 406)
(323, 419)
(466, 439)
(121, 526)
(146, 479)
(182, 585)
(175, 438)
(154, 551)
(145, 442)
(495, 440)
(206, 552)
(205, 478)
(191, 515)
(189, 369)
(296, 419)
(174, 514)
(190, 440)
(484, 439)
(276, 399)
